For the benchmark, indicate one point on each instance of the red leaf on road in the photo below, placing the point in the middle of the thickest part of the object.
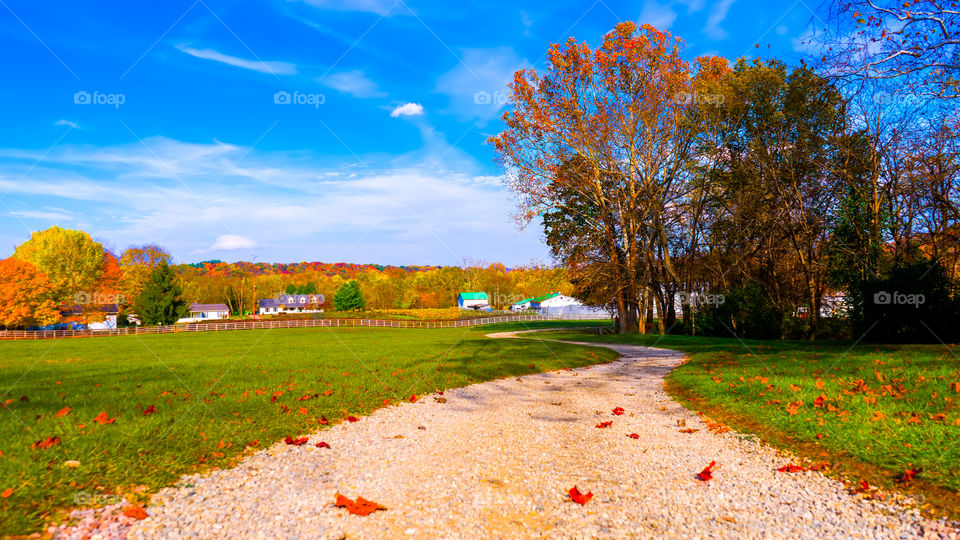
(360, 507)
(149, 410)
(322, 444)
(579, 498)
(707, 473)
(103, 419)
(791, 468)
(618, 411)
(296, 442)
(352, 419)
(135, 512)
(324, 421)
(63, 412)
(413, 398)
(633, 436)
(605, 424)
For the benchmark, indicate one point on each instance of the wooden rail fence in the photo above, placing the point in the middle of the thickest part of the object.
(258, 325)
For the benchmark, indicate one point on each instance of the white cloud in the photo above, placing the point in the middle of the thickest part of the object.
(407, 109)
(43, 215)
(419, 208)
(234, 241)
(73, 125)
(353, 82)
(380, 7)
(273, 68)
(717, 15)
(662, 16)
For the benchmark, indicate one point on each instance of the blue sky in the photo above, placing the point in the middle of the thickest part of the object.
(294, 130)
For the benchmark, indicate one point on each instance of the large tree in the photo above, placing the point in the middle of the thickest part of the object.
(349, 297)
(70, 259)
(603, 138)
(137, 263)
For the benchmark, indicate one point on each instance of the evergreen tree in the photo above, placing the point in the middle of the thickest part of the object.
(291, 289)
(349, 297)
(162, 299)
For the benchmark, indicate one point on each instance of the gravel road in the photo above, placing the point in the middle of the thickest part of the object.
(495, 460)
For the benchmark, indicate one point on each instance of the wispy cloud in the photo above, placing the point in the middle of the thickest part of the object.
(407, 109)
(273, 68)
(422, 208)
(354, 83)
(70, 123)
(477, 85)
(380, 7)
(718, 14)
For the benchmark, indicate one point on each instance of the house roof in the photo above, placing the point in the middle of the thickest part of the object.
(544, 297)
(298, 299)
(208, 307)
(474, 296)
(270, 303)
(77, 309)
(524, 301)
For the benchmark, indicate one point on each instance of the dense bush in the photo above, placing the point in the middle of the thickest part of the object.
(914, 302)
(745, 312)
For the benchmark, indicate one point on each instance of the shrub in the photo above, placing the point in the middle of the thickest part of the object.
(914, 302)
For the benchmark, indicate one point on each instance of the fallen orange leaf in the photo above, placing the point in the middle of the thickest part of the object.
(360, 507)
(135, 512)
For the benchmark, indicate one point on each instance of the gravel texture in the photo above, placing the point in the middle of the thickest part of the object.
(495, 460)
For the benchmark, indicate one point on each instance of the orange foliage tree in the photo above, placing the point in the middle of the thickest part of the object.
(602, 141)
(26, 295)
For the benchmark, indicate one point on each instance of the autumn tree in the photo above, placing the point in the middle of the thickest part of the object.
(137, 263)
(70, 259)
(26, 296)
(912, 42)
(607, 130)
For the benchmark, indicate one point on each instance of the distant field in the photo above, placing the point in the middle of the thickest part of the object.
(213, 395)
(889, 406)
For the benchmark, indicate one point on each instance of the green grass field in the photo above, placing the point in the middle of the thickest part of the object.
(180, 403)
(889, 407)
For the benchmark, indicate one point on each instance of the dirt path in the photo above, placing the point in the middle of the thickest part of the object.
(495, 460)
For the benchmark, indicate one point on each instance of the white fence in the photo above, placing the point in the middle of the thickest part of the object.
(306, 323)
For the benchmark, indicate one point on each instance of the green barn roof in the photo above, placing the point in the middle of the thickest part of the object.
(474, 296)
(544, 297)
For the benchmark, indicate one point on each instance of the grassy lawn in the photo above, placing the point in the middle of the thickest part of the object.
(178, 403)
(875, 410)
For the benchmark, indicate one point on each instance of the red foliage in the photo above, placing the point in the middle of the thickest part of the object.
(296, 442)
(618, 411)
(908, 475)
(322, 444)
(49, 442)
(605, 424)
(149, 410)
(579, 498)
(135, 512)
(63, 412)
(103, 419)
(360, 507)
(791, 468)
(352, 419)
(707, 473)
(633, 436)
